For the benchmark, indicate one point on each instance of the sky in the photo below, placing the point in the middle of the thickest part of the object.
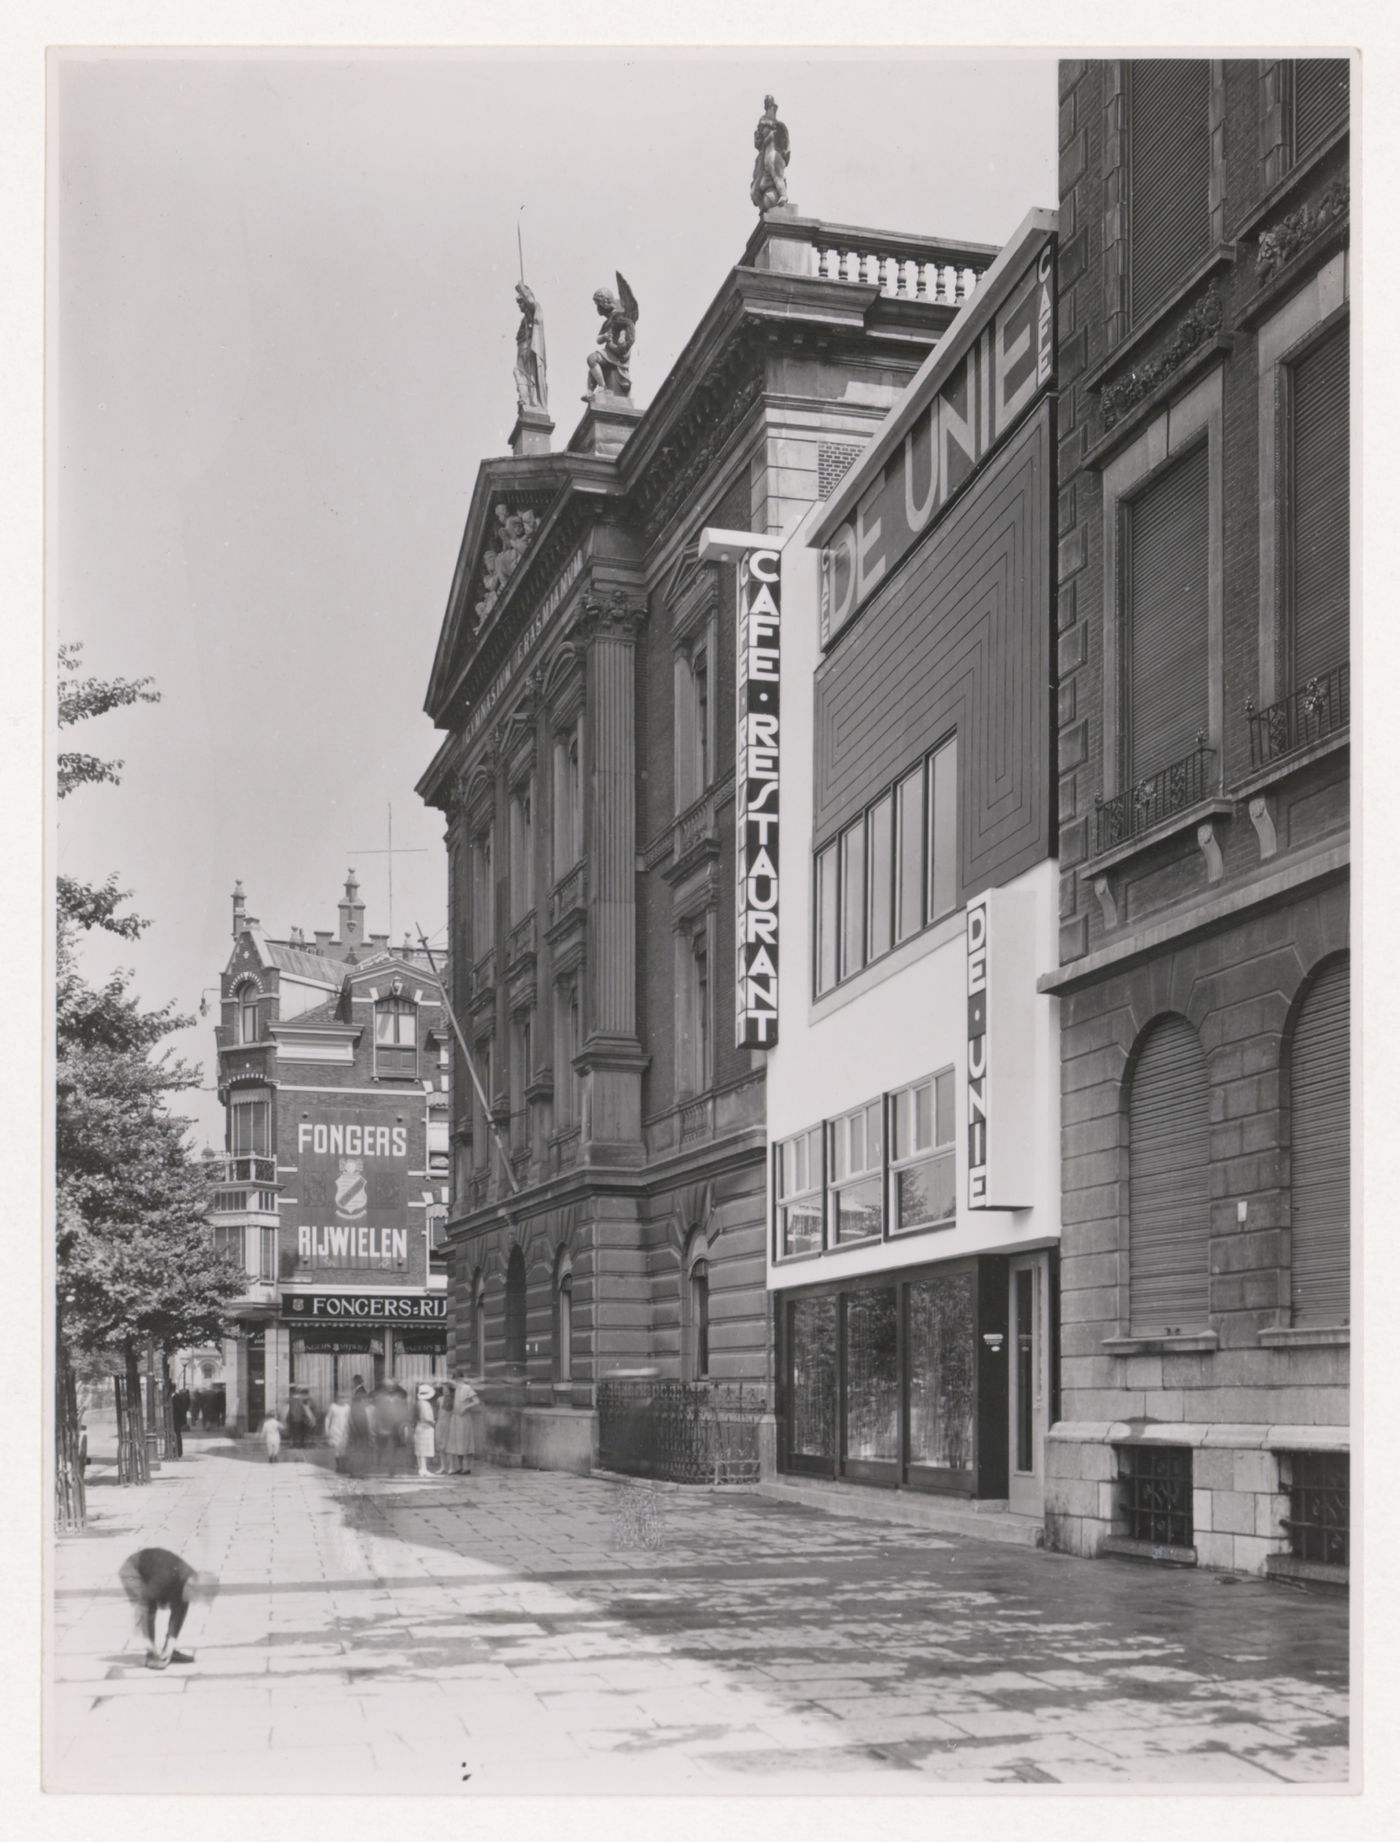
(281, 299)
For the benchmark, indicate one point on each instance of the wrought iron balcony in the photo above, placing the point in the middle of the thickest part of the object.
(244, 1169)
(1156, 797)
(1317, 710)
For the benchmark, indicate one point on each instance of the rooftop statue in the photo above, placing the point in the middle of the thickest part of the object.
(608, 366)
(770, 165)
(531, 381)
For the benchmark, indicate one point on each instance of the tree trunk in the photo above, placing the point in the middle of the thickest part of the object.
(70, 1496)
(133, 1466)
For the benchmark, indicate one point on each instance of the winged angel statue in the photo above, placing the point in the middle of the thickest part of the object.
(770, 164)
(608, 366)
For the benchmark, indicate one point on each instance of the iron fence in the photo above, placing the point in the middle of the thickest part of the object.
(1156, 797)
(680, 1432)
(1318, 709)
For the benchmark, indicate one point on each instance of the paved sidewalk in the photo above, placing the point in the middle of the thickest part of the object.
(517, 1631)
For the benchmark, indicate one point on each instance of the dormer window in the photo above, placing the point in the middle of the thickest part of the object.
(396, 1037)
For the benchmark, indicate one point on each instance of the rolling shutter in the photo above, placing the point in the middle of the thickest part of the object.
(1321, 507)
(1167, 566)
(1320, 101)
(1169, 1184)
(1168, 177)
(1321, 1115)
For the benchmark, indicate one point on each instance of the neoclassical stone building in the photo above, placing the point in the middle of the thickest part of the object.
(608, 1179)
(1204, 728)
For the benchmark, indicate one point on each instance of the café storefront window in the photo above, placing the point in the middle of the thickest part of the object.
(892, 1381)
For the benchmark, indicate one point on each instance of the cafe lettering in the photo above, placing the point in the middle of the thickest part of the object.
(1002, 372)
(756, 799)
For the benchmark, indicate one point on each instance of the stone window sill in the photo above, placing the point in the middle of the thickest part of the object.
(1219, 258)
(1279, 197)
(1129, 1550)
(1216, 807)
(1290, 1337)
(1195, 1341)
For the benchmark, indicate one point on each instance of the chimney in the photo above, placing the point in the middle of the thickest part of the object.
(298, 938)
(379, 940)
(352, 913)
(240, 919)
(323, 939)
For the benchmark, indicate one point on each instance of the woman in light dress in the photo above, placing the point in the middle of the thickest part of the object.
(460, 1443)
(424, 1427)
(338, 1429)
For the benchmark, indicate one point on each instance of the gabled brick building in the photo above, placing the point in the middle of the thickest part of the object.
(333, 1072)
(1204, 706)
(587, 780)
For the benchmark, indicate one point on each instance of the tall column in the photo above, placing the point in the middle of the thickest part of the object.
(612, 1102)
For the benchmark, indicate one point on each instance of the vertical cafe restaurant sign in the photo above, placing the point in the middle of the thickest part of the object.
(1001, 374)
(756, 799)
(352, 1191)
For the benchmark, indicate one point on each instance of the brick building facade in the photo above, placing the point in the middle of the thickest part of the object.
(608, 1201)
(333, 1073)
(1204, 810)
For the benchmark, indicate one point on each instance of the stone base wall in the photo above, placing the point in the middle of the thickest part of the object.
(1239, 1493)
(539, 1438)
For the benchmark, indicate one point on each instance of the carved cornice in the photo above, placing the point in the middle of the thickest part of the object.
(1201, 321)
(1282, 241)
(611, 616)
(699, 434)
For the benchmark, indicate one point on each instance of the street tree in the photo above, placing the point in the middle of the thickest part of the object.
(136, 1263)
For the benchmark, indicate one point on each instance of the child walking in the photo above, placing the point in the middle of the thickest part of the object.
(272, 1437)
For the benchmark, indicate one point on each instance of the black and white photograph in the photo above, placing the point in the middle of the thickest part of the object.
(700, 1097)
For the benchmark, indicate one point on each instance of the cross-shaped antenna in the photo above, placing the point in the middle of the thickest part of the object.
(419, 850)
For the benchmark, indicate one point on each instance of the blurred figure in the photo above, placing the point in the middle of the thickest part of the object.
(338, 1429)
(301, 1418)
(180, 1413)
(442, 1412)
(271, 1435)
(424, 1428)
(361, 1428)
(460, 1442)
(156, 1581)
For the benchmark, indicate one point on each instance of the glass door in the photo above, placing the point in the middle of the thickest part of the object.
(811, 1385)
(1029, 1377)
(871, 1398)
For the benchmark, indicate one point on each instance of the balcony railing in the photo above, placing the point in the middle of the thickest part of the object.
(1156, 797)
(483, 975)
(567, 894)
(521, 941)
(901, 267)
(241, 1169)
(1319, 709)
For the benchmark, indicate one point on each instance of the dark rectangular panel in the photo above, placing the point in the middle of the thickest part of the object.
(957, 642)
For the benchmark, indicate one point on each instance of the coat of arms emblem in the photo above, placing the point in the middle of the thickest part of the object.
(351, 1194)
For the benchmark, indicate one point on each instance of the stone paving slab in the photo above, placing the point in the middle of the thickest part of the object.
(392, 1635)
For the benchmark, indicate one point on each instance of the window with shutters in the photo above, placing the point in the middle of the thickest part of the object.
(1318, 507)
(1163, 618)
(1169, 1184)
(1169, 169)
(396, 1036)
(1320, 1129)
(1304, 690)
(1166, 582)
(1320, 103)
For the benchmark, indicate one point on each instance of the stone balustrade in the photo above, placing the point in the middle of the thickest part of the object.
(897, 271)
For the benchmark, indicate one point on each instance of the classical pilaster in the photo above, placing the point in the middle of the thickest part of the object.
(609, 623)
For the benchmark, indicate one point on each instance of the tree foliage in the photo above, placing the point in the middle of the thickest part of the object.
(90, 905)
(135, 1255)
